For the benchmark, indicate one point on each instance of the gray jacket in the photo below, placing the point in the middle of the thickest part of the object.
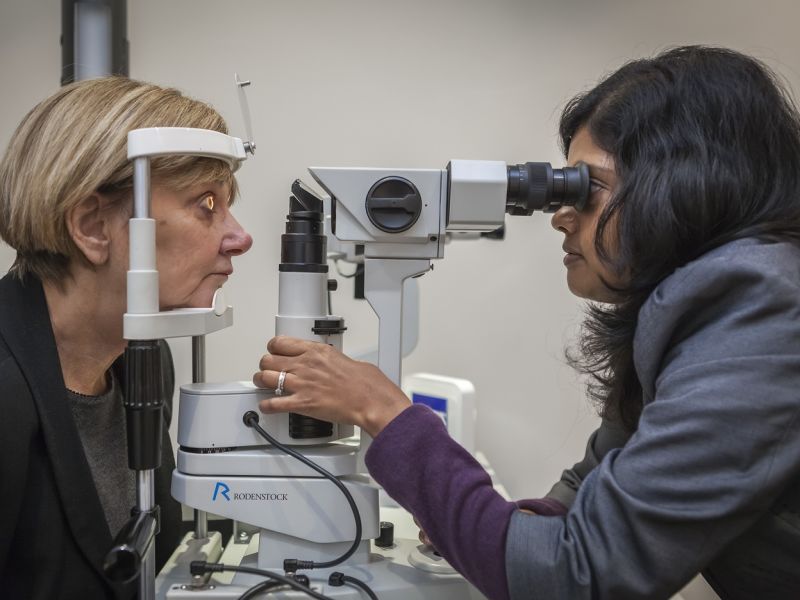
(710, 481)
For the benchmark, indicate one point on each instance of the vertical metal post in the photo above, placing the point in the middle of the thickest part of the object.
(199, 376)
(93, 40)
(141, 187)
(145, 490)
(146, 499)
(198, 359)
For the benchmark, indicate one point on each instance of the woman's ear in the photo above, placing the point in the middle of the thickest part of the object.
(90, 225)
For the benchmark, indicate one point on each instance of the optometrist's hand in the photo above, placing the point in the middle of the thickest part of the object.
(423, 537)
(323, 383)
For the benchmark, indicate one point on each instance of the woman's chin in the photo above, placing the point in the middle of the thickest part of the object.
(583, 290)
(200, 296)
(200, 299)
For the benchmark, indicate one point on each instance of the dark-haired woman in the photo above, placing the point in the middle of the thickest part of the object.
(690, 251)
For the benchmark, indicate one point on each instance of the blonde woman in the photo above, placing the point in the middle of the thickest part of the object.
(65, 200)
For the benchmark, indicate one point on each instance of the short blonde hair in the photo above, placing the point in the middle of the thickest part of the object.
(74, 144)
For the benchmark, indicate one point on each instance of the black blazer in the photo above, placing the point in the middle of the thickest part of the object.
(53, 532)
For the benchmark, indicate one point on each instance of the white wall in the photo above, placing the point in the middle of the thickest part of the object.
(409, 84)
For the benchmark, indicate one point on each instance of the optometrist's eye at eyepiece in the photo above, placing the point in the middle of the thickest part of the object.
(538, 186)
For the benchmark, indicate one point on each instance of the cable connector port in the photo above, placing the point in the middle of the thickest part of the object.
(201, 567)
(292, 565)
(250, 418)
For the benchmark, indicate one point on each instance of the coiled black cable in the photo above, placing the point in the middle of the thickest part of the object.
(292, 564)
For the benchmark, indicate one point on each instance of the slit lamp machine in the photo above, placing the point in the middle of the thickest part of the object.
(397, 221)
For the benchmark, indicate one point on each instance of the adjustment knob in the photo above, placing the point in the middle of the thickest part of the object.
(393, 204)
(386, 537)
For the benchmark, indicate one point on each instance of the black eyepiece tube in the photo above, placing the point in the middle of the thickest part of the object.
(538, 186)
(303, 246)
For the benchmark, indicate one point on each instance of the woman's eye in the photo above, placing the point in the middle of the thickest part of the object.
(595, 186)
(208, 202)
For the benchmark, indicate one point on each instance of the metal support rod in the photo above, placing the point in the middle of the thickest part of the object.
(200, 524)
(93, 44)
(146, 499)
(94, 39)
(198, 359)
(141, 188)
(199, 376)
(145, 492)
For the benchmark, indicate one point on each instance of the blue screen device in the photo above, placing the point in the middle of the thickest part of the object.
(435, 403)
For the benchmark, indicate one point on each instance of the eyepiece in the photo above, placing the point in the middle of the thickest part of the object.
(303, 246)
(538, 186)
(303, 203)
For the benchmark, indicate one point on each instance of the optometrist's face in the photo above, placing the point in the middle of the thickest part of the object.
(196, 240)
(586, 273)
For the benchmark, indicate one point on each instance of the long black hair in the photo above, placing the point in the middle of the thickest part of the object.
(706, 144)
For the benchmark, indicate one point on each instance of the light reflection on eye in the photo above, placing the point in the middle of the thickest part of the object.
(209, 202)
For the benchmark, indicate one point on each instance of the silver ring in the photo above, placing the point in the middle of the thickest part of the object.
(281, 380)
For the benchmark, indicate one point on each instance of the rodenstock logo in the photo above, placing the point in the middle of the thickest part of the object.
(221, 489)
(259, 496)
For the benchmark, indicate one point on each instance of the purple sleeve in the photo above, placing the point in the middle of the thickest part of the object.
(449, 493)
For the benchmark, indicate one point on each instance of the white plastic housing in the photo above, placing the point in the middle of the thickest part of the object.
(284, 505)
(477, 195)
(161, 141)
(338, 458)
(181, 322)
(142, 282)
(210, 416)
(302, 300)
(302, 294)
(350, 186)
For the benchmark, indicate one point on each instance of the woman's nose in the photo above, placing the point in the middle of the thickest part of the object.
(236, 241)
(565, 219)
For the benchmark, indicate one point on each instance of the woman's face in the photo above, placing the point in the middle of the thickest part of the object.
(196, 240)
(585, 271)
